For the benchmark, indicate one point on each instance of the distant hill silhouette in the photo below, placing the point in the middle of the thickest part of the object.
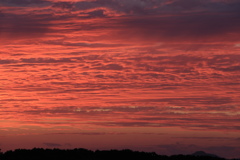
(84, 154)
(202, 153)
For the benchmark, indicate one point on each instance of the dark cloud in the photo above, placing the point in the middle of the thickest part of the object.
(88, 133)
(154, 7)
(153, 24)
(37, 61)
(89, 45)
(23, 2)
(52, 144)
(166, 119)
(82, 133)
(188, 4)
(84, 5)
(63, 5)
(110, 67)
(22, 26)
(97, 13)
(133, 6)
(130, 124)
(46, 60)
(20, 100)
(195, 27)
(230, 69)
(68, 144)
(191, 100)
(7, 61)
(208, 138)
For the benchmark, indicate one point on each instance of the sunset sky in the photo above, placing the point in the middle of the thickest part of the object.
(149, 75)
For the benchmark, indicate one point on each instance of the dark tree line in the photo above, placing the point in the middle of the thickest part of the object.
(84, 154)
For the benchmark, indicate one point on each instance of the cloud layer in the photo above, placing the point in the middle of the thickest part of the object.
(116, 68)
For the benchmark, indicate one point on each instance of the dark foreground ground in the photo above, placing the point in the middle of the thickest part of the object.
(84, 154)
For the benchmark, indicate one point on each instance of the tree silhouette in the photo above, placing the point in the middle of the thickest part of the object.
(84, 154)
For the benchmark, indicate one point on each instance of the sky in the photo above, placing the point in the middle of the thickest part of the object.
(149, 75)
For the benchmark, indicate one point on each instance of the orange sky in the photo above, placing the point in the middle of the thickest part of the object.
(149, 75)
